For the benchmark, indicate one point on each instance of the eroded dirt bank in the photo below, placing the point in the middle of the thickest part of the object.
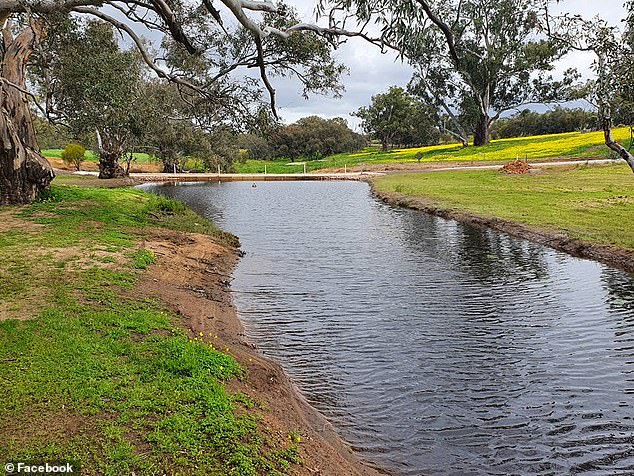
(612, 256)
(192, 276)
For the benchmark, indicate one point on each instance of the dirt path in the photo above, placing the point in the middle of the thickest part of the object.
(89, 178)
(424, 167)
(192, 276)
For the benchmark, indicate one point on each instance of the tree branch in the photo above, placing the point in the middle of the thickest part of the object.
(161, 73)
(446, 30)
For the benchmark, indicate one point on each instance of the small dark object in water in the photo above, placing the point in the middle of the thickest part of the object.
(253, 185)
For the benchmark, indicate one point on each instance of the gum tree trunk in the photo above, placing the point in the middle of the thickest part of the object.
(111, 149)
(605, 113)
(625, 154)
(171, 165)
(24, 172)
(481, 135)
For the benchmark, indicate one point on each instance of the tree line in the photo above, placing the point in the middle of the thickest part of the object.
(398, 118)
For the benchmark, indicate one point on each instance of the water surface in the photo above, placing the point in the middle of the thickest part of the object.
(433, 346)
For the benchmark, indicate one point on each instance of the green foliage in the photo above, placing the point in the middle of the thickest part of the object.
(255, 146)
(223, 151)
(307, 57)
(74, 155)
(313, 138)
(557, 121)
(397, 118)
(477, 58)
(593, 204)
(50, 136)
(143, 259)
(93, 83)
(622, 74)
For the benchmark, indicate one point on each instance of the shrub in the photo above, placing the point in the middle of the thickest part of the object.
(73, 155)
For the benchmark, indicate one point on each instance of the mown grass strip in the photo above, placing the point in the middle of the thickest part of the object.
(594, 204)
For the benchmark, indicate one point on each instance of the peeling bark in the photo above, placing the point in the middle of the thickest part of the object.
(111, 149)
(24, 172)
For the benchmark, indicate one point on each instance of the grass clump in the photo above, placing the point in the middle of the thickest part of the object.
(143, 259)
(593, 204)
(95, 375)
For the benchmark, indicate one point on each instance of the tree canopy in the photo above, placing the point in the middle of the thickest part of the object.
(199, 52)
(610, 90)
(313, 138)
(473, 59)
(397, 118)
(557, 121)
(93, 86)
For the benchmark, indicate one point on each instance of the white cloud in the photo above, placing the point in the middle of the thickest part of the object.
(372, 73)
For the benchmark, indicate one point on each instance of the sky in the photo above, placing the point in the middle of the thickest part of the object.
(371, 72)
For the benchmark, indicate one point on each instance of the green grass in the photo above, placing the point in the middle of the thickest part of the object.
(570, 145)
(141, 158)
(594, 204)
(94, 374)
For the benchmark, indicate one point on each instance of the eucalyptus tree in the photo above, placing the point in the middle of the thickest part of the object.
(180, 123)
(482, 52)
(611, 90)
(92, 86)
(396, 117)
(312, 138)
(623, 66)
(189, 24)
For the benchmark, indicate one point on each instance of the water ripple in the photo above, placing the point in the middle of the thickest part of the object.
(433, 346)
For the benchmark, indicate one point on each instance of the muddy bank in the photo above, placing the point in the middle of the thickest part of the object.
(612, 256)
(192, 276)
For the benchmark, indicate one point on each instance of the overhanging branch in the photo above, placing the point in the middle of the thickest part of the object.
(147, 58)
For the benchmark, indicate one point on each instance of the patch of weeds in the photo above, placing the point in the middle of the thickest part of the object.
(143, 259)
(286, 457)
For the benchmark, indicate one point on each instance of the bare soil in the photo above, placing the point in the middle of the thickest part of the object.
(88, 166)
(192, 277)
(610, 255)
(517, 167)
(412, 167)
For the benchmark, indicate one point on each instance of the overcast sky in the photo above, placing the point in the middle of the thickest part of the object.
(372, 72)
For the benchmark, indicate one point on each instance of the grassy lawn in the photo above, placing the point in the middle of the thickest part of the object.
(570, 145)
(93, 373)
(141, 158)
(595, 204)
